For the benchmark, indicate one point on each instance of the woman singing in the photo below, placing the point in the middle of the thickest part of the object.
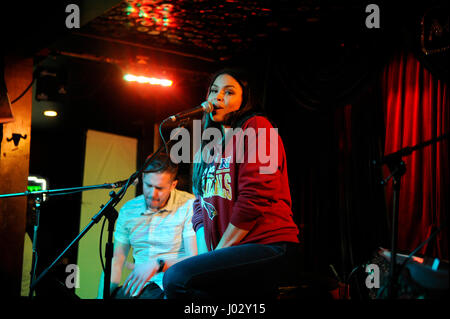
(246, 237)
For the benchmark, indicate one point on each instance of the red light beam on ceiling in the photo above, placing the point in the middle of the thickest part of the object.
(149, 80)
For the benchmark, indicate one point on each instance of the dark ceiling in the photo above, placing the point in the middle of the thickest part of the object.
(218, 30)
(188, 38)
(206, 30)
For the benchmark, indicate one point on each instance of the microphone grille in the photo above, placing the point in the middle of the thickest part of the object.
(207, 107)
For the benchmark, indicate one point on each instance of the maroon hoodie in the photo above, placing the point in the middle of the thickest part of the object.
(251, 191)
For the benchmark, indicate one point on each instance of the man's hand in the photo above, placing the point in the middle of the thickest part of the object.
(140, 275)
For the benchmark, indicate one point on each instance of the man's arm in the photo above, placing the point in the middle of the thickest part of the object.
(190, 245)
(143, 272)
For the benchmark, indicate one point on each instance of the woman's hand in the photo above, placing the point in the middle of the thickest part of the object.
(231, 236)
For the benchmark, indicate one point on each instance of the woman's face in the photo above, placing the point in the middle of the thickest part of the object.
(225, 94)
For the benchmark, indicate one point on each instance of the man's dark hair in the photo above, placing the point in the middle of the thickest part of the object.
(162, 163)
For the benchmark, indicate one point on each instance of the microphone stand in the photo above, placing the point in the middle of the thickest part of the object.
(37, 205)
(38, 198)
(397, 166)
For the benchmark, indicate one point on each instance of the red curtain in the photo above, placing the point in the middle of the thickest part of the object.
(417, 110)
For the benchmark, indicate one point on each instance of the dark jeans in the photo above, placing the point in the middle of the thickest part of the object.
(248, 270)
(151, 291)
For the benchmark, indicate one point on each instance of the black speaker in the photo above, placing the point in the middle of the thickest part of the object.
(51, 84)
(420, 278)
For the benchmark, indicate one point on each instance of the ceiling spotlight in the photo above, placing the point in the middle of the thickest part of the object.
(50, 113)
(144, 79)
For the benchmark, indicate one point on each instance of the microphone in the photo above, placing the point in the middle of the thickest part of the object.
(121, 183)
(204, 107)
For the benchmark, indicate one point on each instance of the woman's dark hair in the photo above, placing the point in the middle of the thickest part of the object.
(250, 106)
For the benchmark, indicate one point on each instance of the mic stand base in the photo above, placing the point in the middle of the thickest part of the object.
(398, 168)
(34, 260)
(111, 214)
(94, 220)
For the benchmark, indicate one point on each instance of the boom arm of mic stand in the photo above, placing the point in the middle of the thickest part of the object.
(408, 150)
(398, 168)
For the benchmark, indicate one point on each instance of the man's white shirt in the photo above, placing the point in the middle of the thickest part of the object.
(159, 234)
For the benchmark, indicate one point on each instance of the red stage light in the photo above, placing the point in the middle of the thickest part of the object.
(149, 80)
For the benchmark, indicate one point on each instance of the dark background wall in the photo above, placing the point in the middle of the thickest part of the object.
(320, 83)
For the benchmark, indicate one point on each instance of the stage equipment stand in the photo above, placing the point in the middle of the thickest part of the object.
(397, 167)
(38, 198)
